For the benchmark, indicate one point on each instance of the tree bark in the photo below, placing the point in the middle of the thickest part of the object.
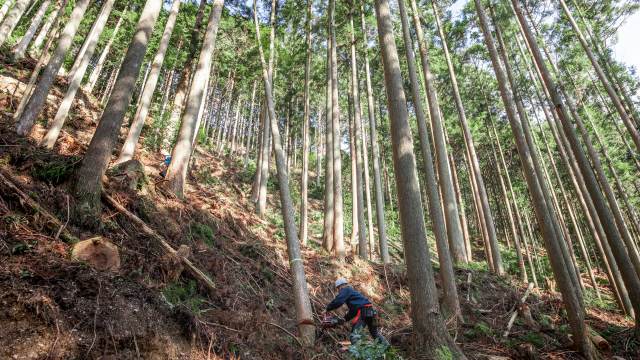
(88, 188)
(4, 9)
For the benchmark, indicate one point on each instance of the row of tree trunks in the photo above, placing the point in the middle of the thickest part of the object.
(452, 304)
(129, 147)
(544, 213)
(77, 75)
(428, 326)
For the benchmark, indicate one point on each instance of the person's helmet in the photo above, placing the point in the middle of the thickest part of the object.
(341, 281)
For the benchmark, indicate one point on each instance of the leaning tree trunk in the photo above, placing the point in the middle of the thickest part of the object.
(300, 289)
(451, 301)
(95, 74)
(626, 119)
(39, 97)
(4, 9)
(50, 138)
(545, 214)
(454, 228)
(304, 183)
(177, 171)
(11, 20)
(428, 326)
(377, 180)
(20, 48)
(89, 186)
(44, 30)
(129, 147)
(42, 60)
(623, 259)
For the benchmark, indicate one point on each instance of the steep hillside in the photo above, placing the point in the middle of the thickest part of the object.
(56, 308)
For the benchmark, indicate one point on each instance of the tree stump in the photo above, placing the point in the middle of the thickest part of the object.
(98, 252)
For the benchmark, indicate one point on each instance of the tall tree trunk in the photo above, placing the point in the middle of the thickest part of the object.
(327, 236)
(21, 47)
(545, 214)
(454, 229)
(95, 74)
(304, 202)
(301, 293)
(129, 147)
(377, 180)
(39, 97)
(12, 18)
(429, 331)
(357, 138)
(469, 144)
(55, 127)
(338, 214)
(89, 186)
(452, 303)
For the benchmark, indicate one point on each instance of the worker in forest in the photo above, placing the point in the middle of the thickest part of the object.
(165, 163)
(361, 312)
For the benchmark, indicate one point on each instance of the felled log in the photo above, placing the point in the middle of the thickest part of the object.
(192, 269)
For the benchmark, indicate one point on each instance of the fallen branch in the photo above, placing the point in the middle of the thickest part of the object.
(514, 314)
(52, 222)
(193, 270)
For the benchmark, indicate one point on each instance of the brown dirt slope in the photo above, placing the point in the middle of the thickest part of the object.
(52, 307)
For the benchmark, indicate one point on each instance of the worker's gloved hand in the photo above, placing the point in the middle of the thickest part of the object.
(340, 321)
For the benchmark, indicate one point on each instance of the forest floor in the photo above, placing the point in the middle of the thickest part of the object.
(52, 307)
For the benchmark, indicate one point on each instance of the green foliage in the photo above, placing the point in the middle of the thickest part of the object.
(536, 339)
(199, 231)
(184, 294)
(444, 353)
(54, 172)
(367, 350)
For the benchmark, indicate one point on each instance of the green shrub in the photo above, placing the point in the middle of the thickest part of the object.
(198, 231)
(368, 350)
(184, 294)
(54, 172)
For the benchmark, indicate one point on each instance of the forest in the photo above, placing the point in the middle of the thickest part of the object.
(186, 179)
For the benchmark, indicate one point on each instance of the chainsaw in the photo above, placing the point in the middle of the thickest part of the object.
(329, 321)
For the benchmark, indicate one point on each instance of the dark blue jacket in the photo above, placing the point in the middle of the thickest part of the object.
(353, 299)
